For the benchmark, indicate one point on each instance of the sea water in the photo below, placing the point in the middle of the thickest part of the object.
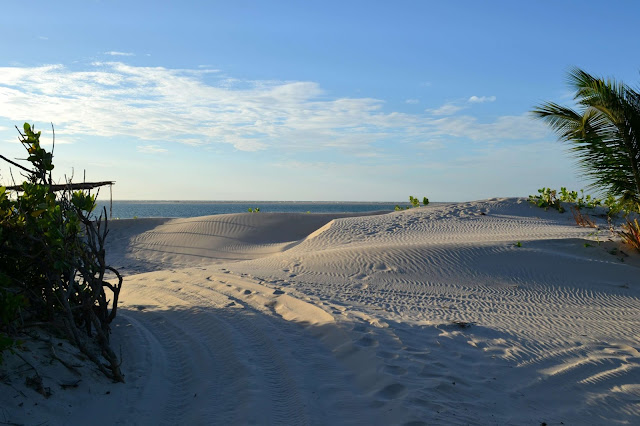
(140, 209)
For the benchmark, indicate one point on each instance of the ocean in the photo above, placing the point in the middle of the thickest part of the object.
(140, 209)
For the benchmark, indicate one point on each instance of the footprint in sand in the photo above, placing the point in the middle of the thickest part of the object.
(380, 267)
(361, 328)
(367, 342)
(278, 292)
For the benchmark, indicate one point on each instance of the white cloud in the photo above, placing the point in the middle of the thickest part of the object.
(202, 107)
(481, 99)
(446, 109)
(412, 101)
(43, 38)
(519, 127)
(115, 53)
(150, 149)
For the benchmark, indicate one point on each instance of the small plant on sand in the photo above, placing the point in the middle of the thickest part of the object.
(630, 233)
(414, 203)
(568, 196)
(622, 205)
(546, 198)
(256, 210)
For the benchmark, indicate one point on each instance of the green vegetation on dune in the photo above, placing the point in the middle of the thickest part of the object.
(414, 203)
(52, 262)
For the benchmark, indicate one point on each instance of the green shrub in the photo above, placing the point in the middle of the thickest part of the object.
(548, 197)
(52, 260)
(414, 203)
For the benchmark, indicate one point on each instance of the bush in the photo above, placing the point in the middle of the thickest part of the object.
(52, 260)
(414, 203)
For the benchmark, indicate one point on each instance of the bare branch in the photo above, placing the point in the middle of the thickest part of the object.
(13, 163)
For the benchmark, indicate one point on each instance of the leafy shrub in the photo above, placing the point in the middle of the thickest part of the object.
(11, 305)
(546, 198)
(568, 196)
(52, 260)
(256, 210)
(414, 203)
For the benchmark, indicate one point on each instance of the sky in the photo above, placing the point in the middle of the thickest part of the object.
(305, 100)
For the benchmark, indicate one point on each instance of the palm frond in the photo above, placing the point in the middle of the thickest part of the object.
(604, 133)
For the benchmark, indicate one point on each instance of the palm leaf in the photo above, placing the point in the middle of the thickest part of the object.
(603, 133)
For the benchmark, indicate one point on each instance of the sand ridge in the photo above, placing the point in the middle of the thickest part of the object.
(487, 312)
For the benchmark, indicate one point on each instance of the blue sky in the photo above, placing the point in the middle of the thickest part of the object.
(293, 100)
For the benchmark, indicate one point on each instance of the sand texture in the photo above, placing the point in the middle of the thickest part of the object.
(491, 312)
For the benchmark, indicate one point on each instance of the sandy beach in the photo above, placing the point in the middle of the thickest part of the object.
(492, 312)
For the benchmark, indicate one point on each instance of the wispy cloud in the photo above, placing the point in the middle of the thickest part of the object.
(115, 53)
(505, 128)
(202, 107)
(446, 109)
(150, 149)
(481, 99)
(43, 38)
(412, 101)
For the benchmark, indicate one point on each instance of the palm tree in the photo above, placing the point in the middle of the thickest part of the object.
(604, 133)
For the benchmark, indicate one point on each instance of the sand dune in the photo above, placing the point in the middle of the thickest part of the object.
(142, 245)
(488, 312)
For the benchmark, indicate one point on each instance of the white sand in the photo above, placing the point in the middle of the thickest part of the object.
(427, 316)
